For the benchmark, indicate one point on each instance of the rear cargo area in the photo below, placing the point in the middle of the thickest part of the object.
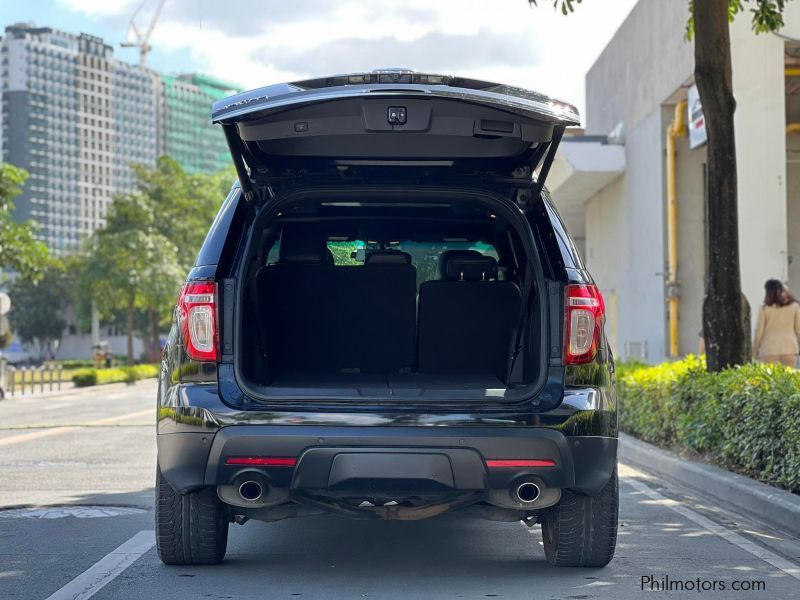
(384, 301)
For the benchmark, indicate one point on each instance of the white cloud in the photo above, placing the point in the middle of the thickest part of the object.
(98, 8)
(258, 42)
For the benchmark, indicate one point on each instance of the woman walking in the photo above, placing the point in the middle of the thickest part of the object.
(778, 326)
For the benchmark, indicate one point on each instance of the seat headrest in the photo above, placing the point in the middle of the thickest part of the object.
(387, 257)
(448, 255)
(304, 244)
(471, 268)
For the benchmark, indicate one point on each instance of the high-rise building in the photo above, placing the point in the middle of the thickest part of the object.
(187, 133)
(75, 118)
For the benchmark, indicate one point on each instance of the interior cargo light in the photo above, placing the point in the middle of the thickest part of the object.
(262, 461)
(583, 323)
(198, 320)
(523, 462)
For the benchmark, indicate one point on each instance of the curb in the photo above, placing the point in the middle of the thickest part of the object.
(779, 507)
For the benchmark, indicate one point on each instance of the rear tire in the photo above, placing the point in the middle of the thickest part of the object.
(581, 531)
(191, 529)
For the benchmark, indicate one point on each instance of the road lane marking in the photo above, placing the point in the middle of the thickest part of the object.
(53, 430)
(34, 435)
(56, 406)
(734, 538)
(93, 579)
(125, 417)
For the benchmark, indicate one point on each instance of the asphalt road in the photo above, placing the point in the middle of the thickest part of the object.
(96, 448)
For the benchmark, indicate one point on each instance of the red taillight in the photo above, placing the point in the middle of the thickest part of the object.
(262, 461)
(583, 323)
(523, 462)
(198, 318)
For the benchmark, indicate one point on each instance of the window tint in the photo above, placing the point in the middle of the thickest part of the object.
(425, 255)
(347, 253)
(569, 252)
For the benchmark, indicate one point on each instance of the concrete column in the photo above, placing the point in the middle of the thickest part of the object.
(95, 325)
(758, 85)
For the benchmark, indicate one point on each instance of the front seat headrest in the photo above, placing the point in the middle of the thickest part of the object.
(448, 255)
(471, 268)
(387, 257)
(304, 244)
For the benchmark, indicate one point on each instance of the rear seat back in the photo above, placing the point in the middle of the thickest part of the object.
(467, 318)
(379, 301)
(319, 317)
(290, 302)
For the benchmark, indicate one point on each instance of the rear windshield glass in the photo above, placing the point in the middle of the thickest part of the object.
(424, 255)
(347, 253)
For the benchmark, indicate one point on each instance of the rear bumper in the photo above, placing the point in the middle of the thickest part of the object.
(331, 458)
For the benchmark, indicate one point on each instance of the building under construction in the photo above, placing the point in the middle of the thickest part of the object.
(75, 118)
(187, 134)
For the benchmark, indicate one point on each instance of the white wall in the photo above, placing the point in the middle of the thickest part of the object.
(760, 121)
(792, 30)
(793, 198)
(606, 249)
(691, 237)
(625, 242)
(80, 347)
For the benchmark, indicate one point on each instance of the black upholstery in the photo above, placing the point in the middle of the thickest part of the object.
(446, 256)
(465, 325)
(337, 319)
(471, 268)
(304, 244)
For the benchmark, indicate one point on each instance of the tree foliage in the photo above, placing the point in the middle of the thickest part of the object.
(38, 306)
(131, 264)
(152, 236)
(566, 6)
(185, 204)
(19, 250)
(767, 15)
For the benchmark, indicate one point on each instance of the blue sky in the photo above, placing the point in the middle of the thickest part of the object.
(60, 15)
(259, 42)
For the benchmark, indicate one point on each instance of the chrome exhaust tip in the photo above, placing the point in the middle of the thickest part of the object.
(251, 490)
(527, 492)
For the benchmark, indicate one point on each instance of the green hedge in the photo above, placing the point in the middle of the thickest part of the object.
(75, 364)
(88, 377)
(746, 419)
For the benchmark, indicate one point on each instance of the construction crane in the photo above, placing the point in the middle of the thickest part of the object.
(143, 40)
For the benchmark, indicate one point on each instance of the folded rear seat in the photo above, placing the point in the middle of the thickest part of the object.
(320, 318)
(376, 304)
(467, 318)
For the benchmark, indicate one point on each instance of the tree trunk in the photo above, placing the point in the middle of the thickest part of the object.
(155, 346)
(725, 309)
(130, 330)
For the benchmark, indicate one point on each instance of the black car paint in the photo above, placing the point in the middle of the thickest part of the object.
(197, 401)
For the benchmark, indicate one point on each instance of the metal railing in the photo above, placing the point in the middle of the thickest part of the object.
(24, 380)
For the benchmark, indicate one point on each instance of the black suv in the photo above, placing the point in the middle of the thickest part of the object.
(388, 320)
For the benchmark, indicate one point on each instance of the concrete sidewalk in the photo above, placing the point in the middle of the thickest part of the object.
(780, 507)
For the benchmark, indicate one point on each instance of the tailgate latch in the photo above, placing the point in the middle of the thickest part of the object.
(397, 115)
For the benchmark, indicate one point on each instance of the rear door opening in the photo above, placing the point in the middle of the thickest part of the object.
(392, 300)
(429, 287)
